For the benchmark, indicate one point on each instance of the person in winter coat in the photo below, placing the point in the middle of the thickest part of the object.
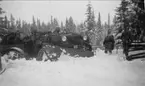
(109, 43)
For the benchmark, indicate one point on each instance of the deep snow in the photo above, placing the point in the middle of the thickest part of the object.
(100, 70)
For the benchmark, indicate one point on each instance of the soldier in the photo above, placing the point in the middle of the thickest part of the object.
(109, 43)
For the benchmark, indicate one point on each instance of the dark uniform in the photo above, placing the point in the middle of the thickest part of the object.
(109, 43)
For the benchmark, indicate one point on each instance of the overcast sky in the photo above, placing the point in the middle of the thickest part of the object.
(58, 9)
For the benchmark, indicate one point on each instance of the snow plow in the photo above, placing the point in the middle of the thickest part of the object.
(11, 43)
(50, 44)
(70, 44)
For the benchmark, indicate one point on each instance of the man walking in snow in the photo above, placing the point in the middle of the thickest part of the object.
(109, 43)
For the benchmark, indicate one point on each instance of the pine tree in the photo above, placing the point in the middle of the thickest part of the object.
(54, 24)
(114, 20)
(1, 18)
(12, 23)
(105, 30)
(18, 24)
(49, 26)
(108, 21)
(55, 21)
(99, 31)
(39, 25)
(90, 17)
(110, 26)
(66, 26)
(131, 16)
(44, 27)
(80, 28)
(114, 26)
(6, 22)
(62, 27)
(99, 26)
(90, 24)
(122, 16)
(26, 28)
(138, 16)
(71, 25)
(34, 25)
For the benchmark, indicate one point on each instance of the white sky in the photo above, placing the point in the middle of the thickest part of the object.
(58, 9)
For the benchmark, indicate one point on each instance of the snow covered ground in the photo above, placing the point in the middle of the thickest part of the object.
(100, 70)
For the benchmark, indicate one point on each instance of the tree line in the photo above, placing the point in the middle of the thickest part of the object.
(96, 30)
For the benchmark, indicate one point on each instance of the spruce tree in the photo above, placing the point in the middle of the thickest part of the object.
(71, 25)
(90, 24)
(122, 15)
(1, 18)
(138, 16)
(18, 24)
(99, 25)
(6, 22)
(48, 26)
(90, 21)
(99, 31)
(62, 27)
(114, 25)
(66, 26)
(39, 25)
(131, 17)
(12, 23)
(33, 25)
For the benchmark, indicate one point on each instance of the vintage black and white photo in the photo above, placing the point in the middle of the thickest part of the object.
(72, 42)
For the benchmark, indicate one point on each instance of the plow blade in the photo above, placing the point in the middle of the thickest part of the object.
(78, 52)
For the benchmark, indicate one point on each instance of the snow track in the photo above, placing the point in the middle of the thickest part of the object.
(100, 70)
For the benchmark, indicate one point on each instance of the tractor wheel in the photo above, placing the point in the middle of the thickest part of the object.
(15, 55)
(52, 53)
(40, 55)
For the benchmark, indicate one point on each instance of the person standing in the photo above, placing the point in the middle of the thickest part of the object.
(109, 43)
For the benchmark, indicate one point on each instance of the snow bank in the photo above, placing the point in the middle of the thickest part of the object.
(100, 70)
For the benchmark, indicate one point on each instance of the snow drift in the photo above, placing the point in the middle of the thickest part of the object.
(100, 70)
